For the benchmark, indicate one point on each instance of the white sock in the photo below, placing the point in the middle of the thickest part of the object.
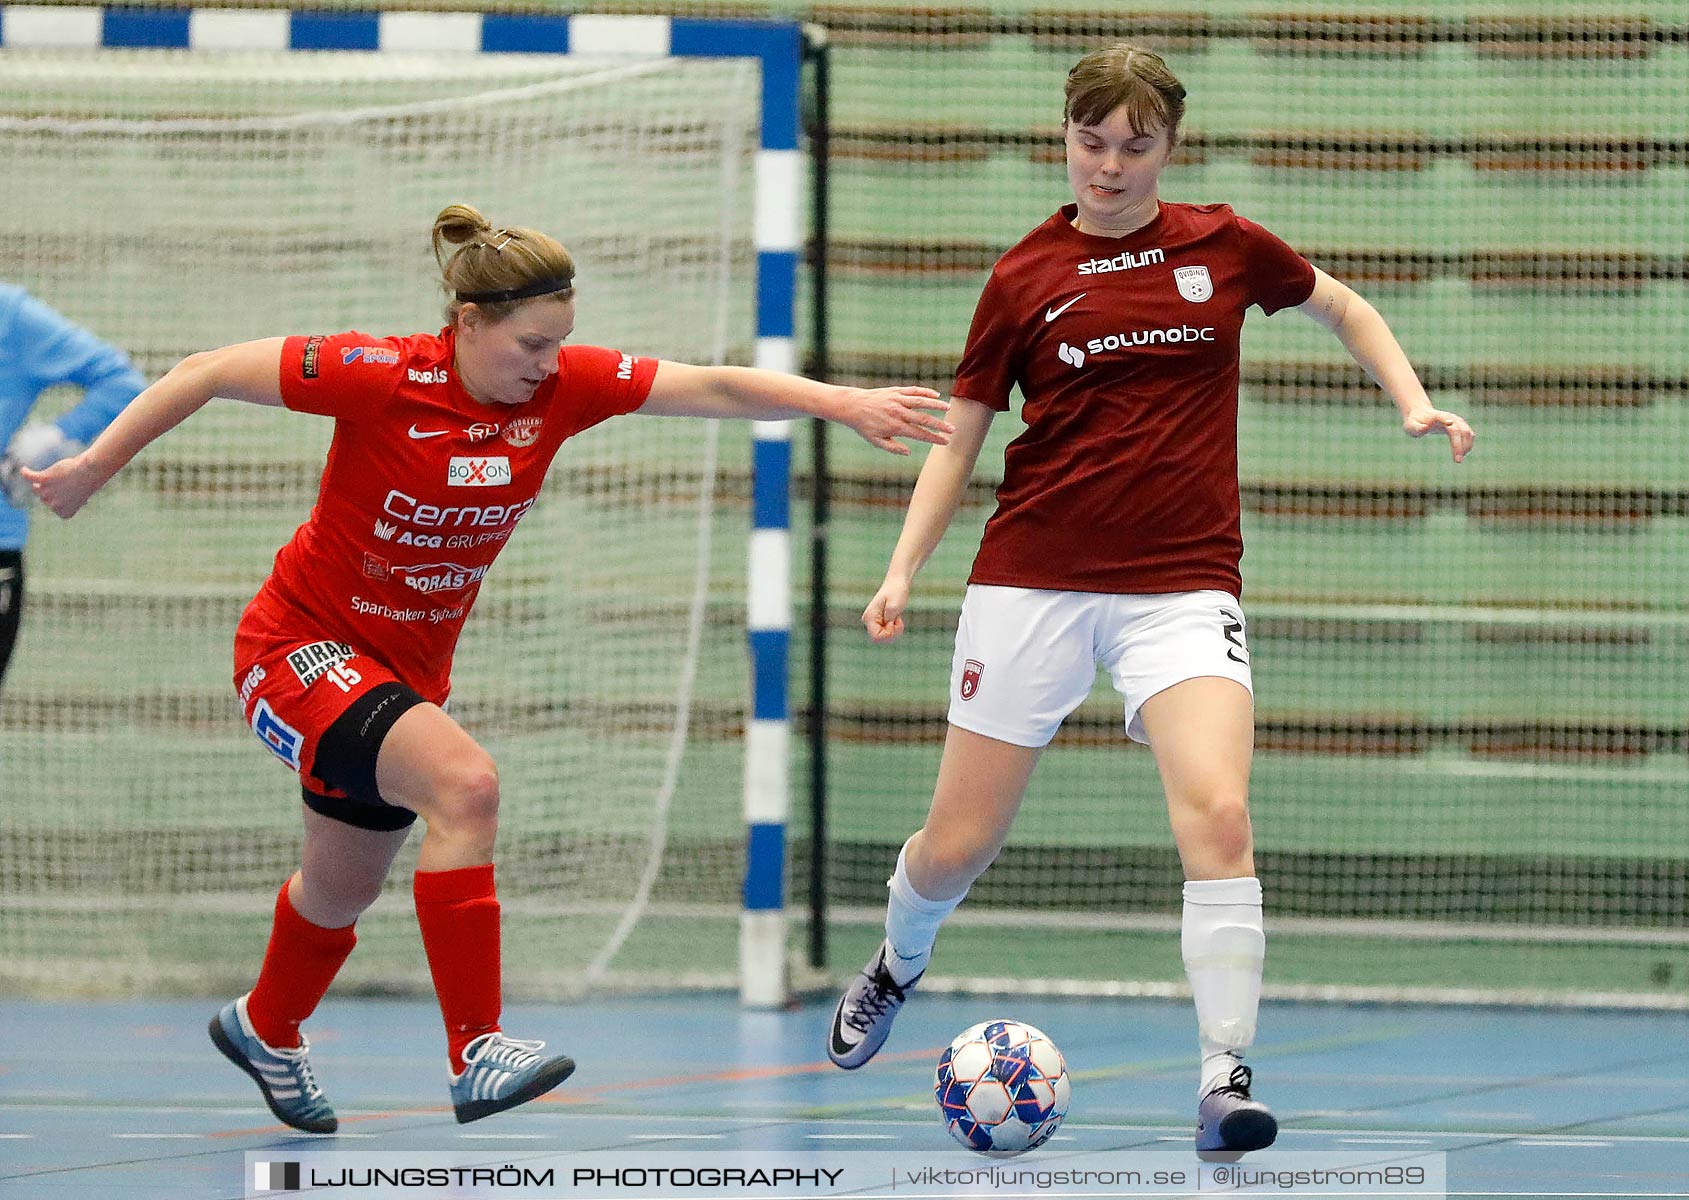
(1224, 949)
(912, 923)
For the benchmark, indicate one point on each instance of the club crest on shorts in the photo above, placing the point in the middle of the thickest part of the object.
(1194, 283)
(972, 669)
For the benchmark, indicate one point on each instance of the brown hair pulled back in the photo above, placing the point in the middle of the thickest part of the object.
(495, 260)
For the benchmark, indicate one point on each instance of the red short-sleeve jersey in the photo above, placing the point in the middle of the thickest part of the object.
(422, 488)
(1126, 352)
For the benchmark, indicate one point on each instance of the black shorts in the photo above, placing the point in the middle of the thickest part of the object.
(11, 604)
(346, 755)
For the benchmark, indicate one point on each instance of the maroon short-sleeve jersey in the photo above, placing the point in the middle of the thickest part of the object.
(1126, 353)
(422, 488)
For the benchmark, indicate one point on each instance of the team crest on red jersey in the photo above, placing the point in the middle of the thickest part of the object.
(481, 431)
(972, 669)
(523, 431)
(1194, 283)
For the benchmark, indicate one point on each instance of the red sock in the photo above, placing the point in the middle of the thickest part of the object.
(300, 962)
(458, 912)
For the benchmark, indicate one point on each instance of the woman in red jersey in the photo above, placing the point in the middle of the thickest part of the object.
(343, 660)
(1115, 542)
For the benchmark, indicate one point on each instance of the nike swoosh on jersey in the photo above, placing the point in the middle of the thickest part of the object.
(1050, 314)
(426, 433)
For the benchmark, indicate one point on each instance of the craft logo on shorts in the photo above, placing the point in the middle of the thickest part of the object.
(434, 375)
(481, 431)
(313, 661)
(377, 355)
(972, 669)
(468, 471)
(523, 431)
(1194, 283)
(313, 351)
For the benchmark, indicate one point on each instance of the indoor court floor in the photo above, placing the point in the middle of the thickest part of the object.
(129, 1099)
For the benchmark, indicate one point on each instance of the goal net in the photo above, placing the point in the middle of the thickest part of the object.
(174, 201)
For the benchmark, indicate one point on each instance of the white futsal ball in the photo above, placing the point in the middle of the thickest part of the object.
(1002, 1087)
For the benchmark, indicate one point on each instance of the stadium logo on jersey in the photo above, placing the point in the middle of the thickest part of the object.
(313, 351)
(493, 471)
(314, 661)
(523, 431)
(436, 375)
(1073, 356)
(971, 671)
(1150, 337)
(624, 369)
(378, 355)
(1124, 261)
(385, 530)
(481, 431)
(1194, 284)
(440, 577)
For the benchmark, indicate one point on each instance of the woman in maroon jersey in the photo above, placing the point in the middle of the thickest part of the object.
(343, 660)
(1115, 542)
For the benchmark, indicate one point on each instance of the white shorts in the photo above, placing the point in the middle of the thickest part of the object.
(1026, 659)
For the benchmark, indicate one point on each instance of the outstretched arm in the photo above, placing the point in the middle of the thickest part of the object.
(250, 371)
(1371, 344)
(46, 349)
(938, 491)
(879, 415)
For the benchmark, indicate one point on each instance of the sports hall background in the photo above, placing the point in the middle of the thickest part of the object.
(1472, 682)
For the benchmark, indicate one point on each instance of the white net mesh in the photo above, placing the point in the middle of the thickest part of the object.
(175, 201)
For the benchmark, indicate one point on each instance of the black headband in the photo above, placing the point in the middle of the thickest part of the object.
(541, 287)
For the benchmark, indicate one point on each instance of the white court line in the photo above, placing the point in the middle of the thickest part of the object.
(851, 1137)
(675, 1137)
(1541, 1141)
(16, 1136)
(150, 1136)
(1384, 1141)
(494, 1137)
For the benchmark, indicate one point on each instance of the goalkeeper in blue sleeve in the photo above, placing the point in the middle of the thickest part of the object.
(40, 349)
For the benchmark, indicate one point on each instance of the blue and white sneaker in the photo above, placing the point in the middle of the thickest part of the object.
(283, 1076)
(1229, 1123)
(862, 1021)
(500, 1072)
